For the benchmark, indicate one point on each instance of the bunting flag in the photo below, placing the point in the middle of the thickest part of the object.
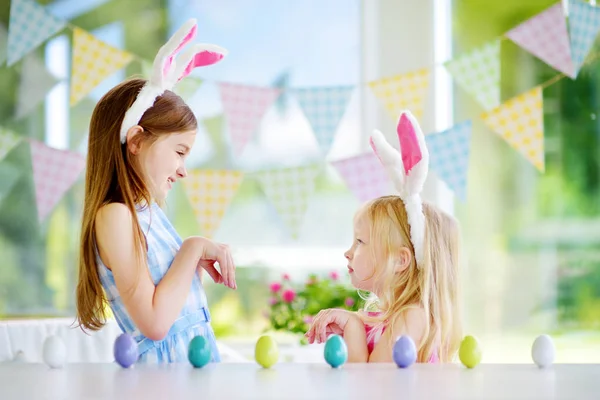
(9, 175)
(210, 192)
(244, 107)
(187, 87)
(324, 107)
(478, 73)
(54, 172)
(403, 92)
(36, 82)
(3, 44)
(93, 61)
(289, 190)
(8, 141)
(449, 156)
(584, 25)
(545, 36)
(520, 121)
(29, 26)
(365, 176)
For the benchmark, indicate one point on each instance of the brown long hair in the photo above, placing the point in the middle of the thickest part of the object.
(113, 176)
(433, 287)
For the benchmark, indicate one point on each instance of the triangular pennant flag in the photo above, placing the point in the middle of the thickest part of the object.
(210, 192)
(187, 87)
(364, 175)
(545, 36)
(324, 107)
(9, 175)
(244, 107)
(3, 44)
(289, 190)
(36, 82)
(403, 92)
(29, 26)
(93, 61)
(449, 156)
(520, 121)
(54, 172)
(478, 73)
(8, 141)
(584, 25)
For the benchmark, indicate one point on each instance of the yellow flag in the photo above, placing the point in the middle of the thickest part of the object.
(210, 192)
(403, 92)
(93, 61)
(520, 121)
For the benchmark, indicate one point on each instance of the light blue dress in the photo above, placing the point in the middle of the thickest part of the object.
(194, 319)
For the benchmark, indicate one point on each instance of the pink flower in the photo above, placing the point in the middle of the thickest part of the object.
(275, 287)
(288, 295)
(334, 275)
(273, 301)
(308, 319)
(349, 302)
(285, 277)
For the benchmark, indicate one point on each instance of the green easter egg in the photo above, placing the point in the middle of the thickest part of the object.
(469, 352)
(267, 351)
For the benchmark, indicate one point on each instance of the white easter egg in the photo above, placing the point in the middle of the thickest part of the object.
(54, 352)
(542, 351)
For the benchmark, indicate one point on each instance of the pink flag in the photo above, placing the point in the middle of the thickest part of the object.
(365, 176)
(545, 36)
(244, 107)
(54, 172)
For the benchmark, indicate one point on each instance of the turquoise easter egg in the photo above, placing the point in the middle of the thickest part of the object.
(199, 352)
(336, 351)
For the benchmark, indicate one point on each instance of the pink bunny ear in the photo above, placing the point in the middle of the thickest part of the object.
(183, 36)
(200, 55)
(409, 143)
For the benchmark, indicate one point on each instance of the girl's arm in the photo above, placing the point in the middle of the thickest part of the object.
(356, 339)
(153, 308)
(411, 323)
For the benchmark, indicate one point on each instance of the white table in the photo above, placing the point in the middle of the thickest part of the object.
(299, 381)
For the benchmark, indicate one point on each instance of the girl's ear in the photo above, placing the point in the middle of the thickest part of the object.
(402, 259)
(134, 136)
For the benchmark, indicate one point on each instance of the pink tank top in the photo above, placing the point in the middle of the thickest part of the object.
(374, 334)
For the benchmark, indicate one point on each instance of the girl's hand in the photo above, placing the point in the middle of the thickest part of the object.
(213, 252)
(327, 322)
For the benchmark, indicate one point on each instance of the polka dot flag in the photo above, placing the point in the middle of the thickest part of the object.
(365, 176)
(584, 25)
(54, 172)
(29, 26)
(289, 190)
(520, 121)
(324, 107)
(478, 73)
(449, 152)
(210, 192)
(93, 61)
(545, 36)
(8, 141)
(403, 92)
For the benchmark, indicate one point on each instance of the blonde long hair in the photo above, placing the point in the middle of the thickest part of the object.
(433, 287)
(113, 176)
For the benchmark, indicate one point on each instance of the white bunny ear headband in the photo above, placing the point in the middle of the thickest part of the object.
(166, 72)
(408, 170)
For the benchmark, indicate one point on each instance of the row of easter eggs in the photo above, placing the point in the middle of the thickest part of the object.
(404, 352)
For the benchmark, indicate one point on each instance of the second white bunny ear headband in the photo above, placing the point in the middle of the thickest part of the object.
(166, 72)
(408, 170)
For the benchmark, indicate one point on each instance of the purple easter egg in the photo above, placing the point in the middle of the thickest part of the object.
(125, 350)
(405, 352)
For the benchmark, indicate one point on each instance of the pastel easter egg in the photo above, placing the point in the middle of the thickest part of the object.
(266, 352)
(336, 351)
(54, 352)
(469, 352)
(404, 352)
(125, 350)
(199, 351)
(542, 351)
